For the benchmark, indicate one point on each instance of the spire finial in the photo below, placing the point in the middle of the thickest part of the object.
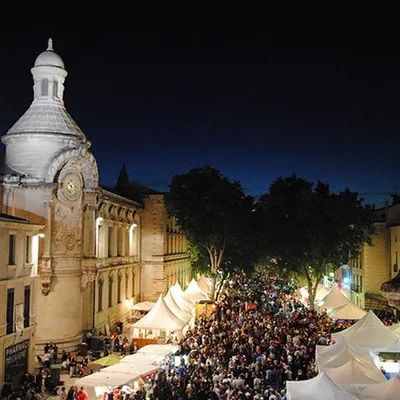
(50, 44)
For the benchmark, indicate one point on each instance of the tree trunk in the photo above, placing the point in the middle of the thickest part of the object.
(213, 285)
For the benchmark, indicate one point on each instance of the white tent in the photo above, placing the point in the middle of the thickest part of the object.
(143, 306)
(194, 293)
(388, 390)
(174, 307)
(334, 299)
(367, 332)
(204, 284)
(344, 355)
(332, 350)
(395, 329)
(159, 349)
(105, 379)
(355, 372)
(135, 370)
(348, 311)
(142, 358)
(322, 291)
(320, 387)
(177, 294)
(160, 317)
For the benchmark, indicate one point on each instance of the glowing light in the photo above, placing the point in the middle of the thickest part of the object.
(41, 235)
(331, 274)
(346, 280)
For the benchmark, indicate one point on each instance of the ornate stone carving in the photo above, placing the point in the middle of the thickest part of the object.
(88, 276)
(46, 275)
(67, 229)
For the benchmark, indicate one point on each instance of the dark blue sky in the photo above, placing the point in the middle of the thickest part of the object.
(257, 92)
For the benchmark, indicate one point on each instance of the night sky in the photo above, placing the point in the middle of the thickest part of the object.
(257, 92)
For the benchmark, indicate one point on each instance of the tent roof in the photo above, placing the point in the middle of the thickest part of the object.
(322, 291)
(134, 370)
(160, 349)
(336, 359)
(142, 358)
(194, 293)
(105, 379)
(174, 307)
(144, 306)
(369, 332)
(160, 317)
(388, 390)
(348, 311)
(177, 294)
(335, 298)
(312, 389)
(355, 372)
(203, 284)
(108, 360)
(395, 329)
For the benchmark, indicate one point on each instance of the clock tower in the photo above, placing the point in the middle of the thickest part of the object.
(52, 179)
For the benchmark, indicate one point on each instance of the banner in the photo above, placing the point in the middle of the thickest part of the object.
(19, 318)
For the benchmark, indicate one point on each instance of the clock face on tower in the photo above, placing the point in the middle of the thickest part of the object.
(71, 186)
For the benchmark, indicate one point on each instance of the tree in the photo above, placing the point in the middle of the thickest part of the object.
(215, 215)
(309, 229)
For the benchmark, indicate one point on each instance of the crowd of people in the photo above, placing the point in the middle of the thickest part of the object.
(259, 337)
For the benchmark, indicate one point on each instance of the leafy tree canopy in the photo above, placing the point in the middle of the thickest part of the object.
(307, 227)
(215, 215)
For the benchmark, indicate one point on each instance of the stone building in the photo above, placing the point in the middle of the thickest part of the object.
(104, 248)
(378, 263)
(19, 244)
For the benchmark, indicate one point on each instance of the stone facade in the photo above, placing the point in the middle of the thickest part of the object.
(103, 248)
(19, 243)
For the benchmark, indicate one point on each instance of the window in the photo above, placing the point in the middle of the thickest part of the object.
(126, 285)
(28, 249)
(100, 295)
(361, 284)
(55, 89)
(11, 250)
(110, 241)
(45, 87)
(119, 289)
(10, 311)
(27, 305)
(110, 291)
(120, 242)
(133, 284)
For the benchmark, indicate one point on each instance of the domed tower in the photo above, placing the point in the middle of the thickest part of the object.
(51, 178)
(46, 129)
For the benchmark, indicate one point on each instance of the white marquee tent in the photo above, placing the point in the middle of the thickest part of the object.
(174, 307)
(194, 293)
(368, 332)
(135, 370)
(355, 372)
(204, 284)
(142, 358)
(348, 311)
(322, 291)
(334, 359)
(388, 390)
(395, 329)
(162, 318)
(177, 294)
(334, 299)
(320, 387)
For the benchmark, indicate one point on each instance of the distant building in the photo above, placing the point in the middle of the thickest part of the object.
(378, 263)
(19, 244)
(104, 248)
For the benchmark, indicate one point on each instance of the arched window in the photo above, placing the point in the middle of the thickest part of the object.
(100, 295)
(45, 87)
(119, 282)
(110, 291)
(55, 89)
(126, 284)
(133, 284)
